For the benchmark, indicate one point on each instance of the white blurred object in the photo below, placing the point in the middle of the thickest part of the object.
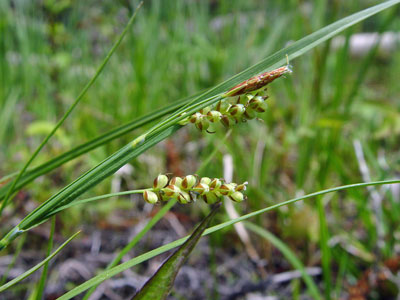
(362, 43)
(124, 172)
(233, 214)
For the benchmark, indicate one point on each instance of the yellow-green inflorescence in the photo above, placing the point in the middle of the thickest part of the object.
(230, 111)
(190, 188)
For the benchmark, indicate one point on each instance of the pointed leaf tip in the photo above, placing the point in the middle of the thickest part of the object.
(160, 284)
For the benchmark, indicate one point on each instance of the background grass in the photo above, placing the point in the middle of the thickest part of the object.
(305, 143)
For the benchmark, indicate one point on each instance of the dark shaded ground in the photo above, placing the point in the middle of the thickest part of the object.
(210, 272)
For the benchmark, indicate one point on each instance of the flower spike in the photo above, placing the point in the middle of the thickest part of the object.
(189, 188)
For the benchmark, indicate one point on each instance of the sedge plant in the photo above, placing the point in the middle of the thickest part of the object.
(238, 99)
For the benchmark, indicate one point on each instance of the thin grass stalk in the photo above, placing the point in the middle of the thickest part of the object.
(326, 251)
(96, 198)
(178, 115)
(101, 140)
(37, 267)
(42, 282)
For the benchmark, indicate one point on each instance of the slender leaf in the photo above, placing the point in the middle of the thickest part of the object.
(290, 256)
(96, 198)
(141, 258)
(39, 289)
(101, 140)
(325, 249)
(160, 284)
(37, 267)
(87, 180)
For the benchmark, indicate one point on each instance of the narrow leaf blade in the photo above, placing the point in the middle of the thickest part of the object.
(37, 267)
(160, 284)
(38, 291)
(46, 167)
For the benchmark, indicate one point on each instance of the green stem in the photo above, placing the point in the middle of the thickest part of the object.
(326, 251)
(12, 235)
(180, 114)
(42, 282)
(105, 196)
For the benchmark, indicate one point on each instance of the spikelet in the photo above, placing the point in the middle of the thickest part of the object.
(229, 114)
(242, 102)
(259, 81)
(189, 188)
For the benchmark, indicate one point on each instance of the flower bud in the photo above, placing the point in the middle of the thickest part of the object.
(227, 189)
(203, 123)
(237, 111)
(214, 116)
(177, 181)
(210, 198)
(249, 97)
(171, 191)
(215, 183)
(228, 121)
(255, 102)
(150, 197)
(205, 180)
(201, 188)
(188, 182)
(195, 118)
(237, 197)
(241, 187)
(184, 197)
(160, 182)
